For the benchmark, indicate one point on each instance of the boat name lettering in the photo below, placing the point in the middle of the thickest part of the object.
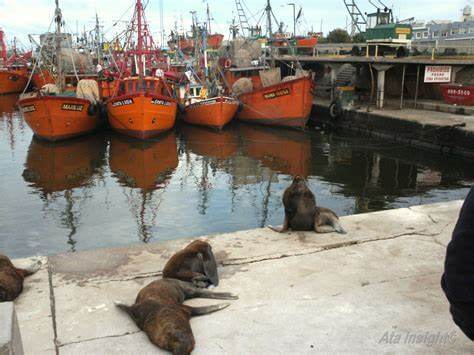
(160, 102)
(277, 93)
(72, 107)
(29, 108)
(122, 102)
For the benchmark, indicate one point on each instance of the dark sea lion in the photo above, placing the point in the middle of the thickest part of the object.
(11, 279)
(302, 214)
(160, 313)
(195, 263)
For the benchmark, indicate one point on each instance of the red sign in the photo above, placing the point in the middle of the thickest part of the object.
(458, 94)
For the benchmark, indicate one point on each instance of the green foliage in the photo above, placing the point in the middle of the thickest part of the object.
(358, 38)
(338, 36)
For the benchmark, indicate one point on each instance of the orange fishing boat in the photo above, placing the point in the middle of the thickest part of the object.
(215, 112)
(287, 103)
(56, 117)
(12, 81)
(141, 109)
(143, 106)
(52, 113)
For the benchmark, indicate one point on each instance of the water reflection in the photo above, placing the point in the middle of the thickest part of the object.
(283, 151)
(8, 104)
(11, 123)
(54, 170)
(119, 188)
(143, 169)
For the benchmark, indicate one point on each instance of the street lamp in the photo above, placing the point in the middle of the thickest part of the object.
(294, 17)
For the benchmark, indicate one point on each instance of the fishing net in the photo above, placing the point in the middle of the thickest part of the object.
(242, 86)
(270, 77)
(50, 89)
(88, 89)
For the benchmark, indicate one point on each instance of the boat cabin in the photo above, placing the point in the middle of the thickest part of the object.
(234, 74)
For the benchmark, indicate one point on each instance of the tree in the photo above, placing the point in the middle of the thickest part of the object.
(338, 36)
(358, 38)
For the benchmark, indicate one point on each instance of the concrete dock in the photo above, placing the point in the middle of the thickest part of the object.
(444, 132)
(376, 289)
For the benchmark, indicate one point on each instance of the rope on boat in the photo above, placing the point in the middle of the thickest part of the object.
(36, 63)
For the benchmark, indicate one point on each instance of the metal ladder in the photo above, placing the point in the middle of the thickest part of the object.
(244, 22)
(357, 18)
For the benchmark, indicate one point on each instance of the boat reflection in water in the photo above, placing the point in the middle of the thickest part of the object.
(210, 143)
(143, 168)
(54, 170)
(283, 151)
(8, 103)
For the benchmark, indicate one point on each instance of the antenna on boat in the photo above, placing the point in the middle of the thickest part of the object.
(58, 19)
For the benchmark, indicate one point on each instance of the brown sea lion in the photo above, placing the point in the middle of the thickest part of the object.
(195, 263)
(302, 214)
(160, 313)
(11, 279)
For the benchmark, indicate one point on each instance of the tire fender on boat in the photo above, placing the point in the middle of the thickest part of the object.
(227, 63)
(92, 109)
(335, 110)
(241, 106)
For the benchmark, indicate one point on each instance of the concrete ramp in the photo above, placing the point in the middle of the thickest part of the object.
(376, 289)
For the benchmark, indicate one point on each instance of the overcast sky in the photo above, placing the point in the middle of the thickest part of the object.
(22, 17)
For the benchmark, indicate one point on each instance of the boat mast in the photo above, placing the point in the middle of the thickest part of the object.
(208, 20)
(3, 49)
(268, 10)
(58, 20)
(140, 38)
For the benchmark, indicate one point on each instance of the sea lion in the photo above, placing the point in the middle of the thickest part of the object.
(302, 214)
(11, 279)
(195, 263)
(160, 313)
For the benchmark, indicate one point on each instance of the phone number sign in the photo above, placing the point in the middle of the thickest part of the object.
(437, 74)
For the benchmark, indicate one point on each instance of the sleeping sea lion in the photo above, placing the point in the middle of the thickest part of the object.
(302, 214)
(160, 313)
(11, 279)
(195, 263)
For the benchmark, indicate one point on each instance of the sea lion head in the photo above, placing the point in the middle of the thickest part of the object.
(182, 343)
(209, 263)
(299, 184)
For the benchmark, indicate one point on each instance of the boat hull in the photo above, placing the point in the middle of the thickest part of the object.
(214, 113)
(142, 116)
(285, 104)
(55, 118)
(12, 81)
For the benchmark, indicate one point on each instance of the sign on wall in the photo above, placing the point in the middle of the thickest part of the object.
(438, 74)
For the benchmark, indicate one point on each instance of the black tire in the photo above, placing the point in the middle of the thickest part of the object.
(335, 110)
(92, 110)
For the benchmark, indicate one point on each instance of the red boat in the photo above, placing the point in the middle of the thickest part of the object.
(458, 94)
(215, 112)
(142, 106)
(287, 103)
(13, 78)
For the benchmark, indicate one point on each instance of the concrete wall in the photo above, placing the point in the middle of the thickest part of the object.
(10, 339)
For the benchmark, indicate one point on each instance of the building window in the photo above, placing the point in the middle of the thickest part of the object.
(462, 30)
(455, 31)
(471, 29)
(425, 34)
(444, 34)
(418, 35)
(435, 34)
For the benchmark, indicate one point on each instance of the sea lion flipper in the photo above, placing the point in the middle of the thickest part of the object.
(203, 293)
(199, 311)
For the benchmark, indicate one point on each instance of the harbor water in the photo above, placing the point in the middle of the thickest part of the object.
(105, 190)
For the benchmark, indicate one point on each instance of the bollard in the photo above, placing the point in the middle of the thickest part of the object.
(10, 338)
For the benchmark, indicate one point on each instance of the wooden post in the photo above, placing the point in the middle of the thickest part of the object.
(367, 51)
(376, 50)
(417, 81)
(403, 86)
